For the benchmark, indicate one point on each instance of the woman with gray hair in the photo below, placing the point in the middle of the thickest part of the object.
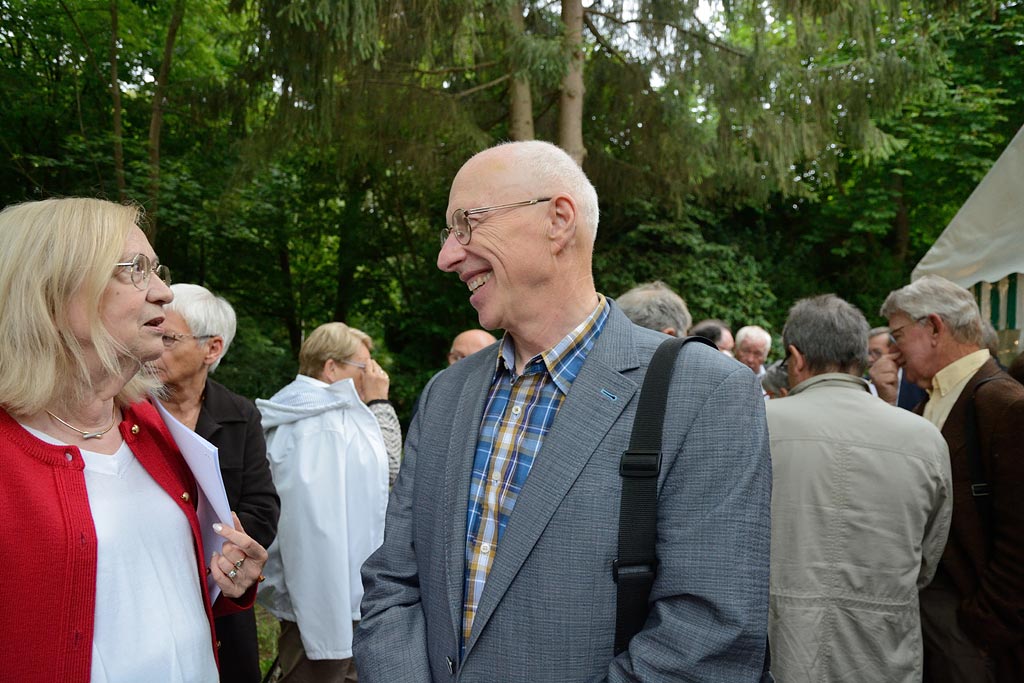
(198, 329)
(105, 573)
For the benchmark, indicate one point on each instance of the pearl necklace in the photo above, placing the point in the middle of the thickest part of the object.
(85, 434)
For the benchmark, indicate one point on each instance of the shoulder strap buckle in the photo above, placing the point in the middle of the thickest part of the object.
(640, 463)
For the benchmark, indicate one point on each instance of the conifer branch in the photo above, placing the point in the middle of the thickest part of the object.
(601, 39)
(667, 24)
(482, 86)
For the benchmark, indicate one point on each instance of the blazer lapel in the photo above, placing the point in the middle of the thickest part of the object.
(458, 472)
(583, 420)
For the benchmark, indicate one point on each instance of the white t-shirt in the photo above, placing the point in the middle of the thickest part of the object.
(150, 619)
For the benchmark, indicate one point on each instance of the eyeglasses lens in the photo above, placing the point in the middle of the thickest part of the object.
(142, 268)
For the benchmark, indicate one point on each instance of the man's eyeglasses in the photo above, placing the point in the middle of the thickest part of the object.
(361, 366)
(171, 339)
(463, 231)
(141, 268)
(894, 340)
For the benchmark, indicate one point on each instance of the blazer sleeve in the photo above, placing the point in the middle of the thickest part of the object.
(709, 612)
(390, 643)
(994, 614)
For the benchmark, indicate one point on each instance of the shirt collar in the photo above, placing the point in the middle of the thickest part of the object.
(838, 379)
(564, 360)
(949, 377)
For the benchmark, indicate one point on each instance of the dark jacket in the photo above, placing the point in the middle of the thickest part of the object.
(232, 424)
(989, 575)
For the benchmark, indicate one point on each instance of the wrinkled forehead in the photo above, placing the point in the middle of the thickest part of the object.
(490, 177)
(754, 345)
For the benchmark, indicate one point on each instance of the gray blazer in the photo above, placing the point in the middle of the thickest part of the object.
(547, 612)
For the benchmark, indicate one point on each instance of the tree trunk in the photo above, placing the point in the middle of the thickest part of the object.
(289, 315)
(901, 223)
(156, 120)
(115, 93)
(570, 113)
(520, 106)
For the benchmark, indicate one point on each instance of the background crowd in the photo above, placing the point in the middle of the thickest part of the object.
(796, 500)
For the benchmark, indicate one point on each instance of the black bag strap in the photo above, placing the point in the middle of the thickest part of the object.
(981, 488)
(636, 566)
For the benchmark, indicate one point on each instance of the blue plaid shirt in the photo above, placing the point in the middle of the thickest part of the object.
(518, 415)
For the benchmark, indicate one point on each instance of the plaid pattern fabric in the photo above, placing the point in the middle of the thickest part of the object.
(518, 415)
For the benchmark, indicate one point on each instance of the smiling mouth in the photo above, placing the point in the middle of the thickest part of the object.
(478, 282)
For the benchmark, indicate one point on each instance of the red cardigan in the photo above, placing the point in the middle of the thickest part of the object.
(48, 546)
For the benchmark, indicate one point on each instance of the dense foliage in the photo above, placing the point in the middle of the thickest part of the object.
(295, 155)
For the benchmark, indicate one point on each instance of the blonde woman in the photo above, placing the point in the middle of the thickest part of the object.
(104, 565)
(330, 467)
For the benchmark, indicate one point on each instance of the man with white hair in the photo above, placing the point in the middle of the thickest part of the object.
(500, 559)
(752, 346)
(861, 503)
(655, 306)
(973, 612)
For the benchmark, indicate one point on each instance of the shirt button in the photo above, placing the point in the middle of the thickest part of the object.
(185, 497)
(68, 456)
(485, 548)
(135, 429)
(516, 410)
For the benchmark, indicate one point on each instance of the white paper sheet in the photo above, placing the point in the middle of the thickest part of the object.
(204, 461)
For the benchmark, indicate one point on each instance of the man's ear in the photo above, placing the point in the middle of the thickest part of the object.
(797, 359)
(562, 228)
(214, 350)
(937, 324)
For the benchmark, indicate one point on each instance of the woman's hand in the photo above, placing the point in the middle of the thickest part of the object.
(240, 561)
(376, 383)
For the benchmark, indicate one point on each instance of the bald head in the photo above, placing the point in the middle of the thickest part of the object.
(522, 219)
(469, 342)
(538, 168)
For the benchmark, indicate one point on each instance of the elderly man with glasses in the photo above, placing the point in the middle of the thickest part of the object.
(861, 502)
(503, 525)
(973, 612)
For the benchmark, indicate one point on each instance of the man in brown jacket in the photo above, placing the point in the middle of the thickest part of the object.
(973, 612)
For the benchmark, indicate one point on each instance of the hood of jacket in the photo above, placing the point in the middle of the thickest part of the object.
(306, 397)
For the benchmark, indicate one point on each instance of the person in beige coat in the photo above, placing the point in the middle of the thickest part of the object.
(861, 507)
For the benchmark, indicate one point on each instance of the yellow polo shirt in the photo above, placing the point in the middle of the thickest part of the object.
(948, 383)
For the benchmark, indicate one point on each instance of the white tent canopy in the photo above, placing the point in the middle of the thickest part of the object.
(985, 240)
(982, 248)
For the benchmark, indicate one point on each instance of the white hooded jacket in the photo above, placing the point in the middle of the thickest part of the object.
(330, 468)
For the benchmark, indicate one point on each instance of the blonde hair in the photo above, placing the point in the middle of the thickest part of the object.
(330, 341)
(54, 252)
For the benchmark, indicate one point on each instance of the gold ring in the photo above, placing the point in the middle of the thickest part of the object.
(233, 573)
(238, 565)
(262, 578)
